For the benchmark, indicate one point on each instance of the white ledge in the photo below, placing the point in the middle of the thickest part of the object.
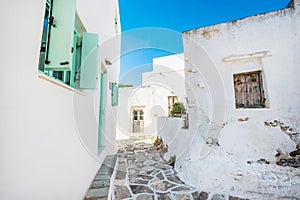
(58, 83)
(260, 54)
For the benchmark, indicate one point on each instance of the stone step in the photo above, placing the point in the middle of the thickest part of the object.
(100, 186)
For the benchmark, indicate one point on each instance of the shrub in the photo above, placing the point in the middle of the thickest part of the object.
(178, 108)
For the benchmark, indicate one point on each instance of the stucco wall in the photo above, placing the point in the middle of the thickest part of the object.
(48, 134)
(152, 98)
(168, 71)
(175, 136)
(217, 159)
(108, 29)
(166, 79)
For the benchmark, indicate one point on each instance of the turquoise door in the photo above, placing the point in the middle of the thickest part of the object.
(101, 111)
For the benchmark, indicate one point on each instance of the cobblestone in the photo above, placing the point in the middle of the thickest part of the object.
(145, 175)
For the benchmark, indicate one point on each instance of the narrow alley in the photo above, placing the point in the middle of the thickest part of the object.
(161, 100)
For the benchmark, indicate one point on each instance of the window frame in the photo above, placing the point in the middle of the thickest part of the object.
(261, 102)
(69, 76)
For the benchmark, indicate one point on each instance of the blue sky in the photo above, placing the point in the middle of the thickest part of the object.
(168, 20)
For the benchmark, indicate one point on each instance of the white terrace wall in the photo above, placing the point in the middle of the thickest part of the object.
(48, 134)
(217, 160)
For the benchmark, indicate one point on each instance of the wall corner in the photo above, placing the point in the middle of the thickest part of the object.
(295, 4)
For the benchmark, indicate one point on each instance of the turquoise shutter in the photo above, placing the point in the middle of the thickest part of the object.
(74, 60)
(114, 94)
(61, 36)
(89, 61)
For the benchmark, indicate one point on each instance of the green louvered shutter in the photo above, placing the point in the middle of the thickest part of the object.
(61, 36)
(114, 94)
(89, 61)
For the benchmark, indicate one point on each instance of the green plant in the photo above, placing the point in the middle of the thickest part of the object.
(124, 85)
(178, 108)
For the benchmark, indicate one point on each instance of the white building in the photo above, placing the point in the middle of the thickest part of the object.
(139, 107)
(50, 144)
(168, 71)
(243, 103)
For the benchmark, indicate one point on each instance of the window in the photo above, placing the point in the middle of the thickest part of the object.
(135, 115)
(141, 115)
(68, 53)
(249, 90)
(171, 101)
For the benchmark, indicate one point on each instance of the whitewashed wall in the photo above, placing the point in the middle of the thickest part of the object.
(48, 134)
(166, 79)
(168, 71)
(153, 99)
(223, 166)
(108, 29)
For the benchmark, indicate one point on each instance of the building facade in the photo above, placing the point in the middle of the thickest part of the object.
(58, 60)
(141, 106)
(243, 96)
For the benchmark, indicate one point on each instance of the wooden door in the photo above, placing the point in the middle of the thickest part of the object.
(137, 121)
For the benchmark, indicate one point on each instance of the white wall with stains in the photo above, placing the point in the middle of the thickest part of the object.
(225, 155)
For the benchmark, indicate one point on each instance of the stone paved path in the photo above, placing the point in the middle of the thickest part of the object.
(100, 187)
(142, 174)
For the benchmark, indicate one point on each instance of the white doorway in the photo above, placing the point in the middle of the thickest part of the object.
(138, 120)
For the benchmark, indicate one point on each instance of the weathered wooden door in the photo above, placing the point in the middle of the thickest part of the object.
(137, 120)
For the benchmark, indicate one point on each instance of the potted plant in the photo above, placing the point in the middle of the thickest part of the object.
(178, 109)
